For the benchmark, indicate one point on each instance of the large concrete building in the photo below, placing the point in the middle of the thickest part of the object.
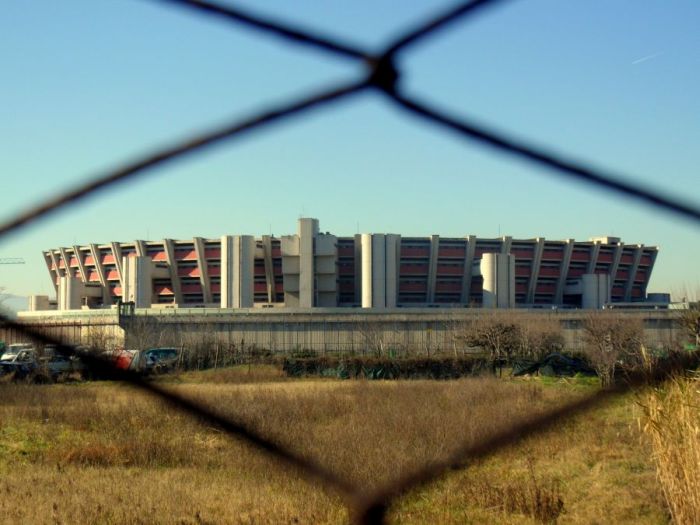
(314, 269)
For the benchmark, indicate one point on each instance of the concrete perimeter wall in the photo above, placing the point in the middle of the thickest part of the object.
(422, 331)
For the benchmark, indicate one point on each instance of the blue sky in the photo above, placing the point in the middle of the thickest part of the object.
(89, 84)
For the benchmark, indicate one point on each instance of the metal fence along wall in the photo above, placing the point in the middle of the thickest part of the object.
(383, 78)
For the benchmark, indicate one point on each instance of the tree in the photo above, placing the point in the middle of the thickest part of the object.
(613, 342)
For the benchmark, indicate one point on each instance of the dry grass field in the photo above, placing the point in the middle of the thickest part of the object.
(105, 453)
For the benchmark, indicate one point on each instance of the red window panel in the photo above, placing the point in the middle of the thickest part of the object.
(185, 255)
(260, 287)
(117, 290)
(73, 261)
(641, 276)
(346, 251)
(212, 253)
(627, 258)
(550, 272)
(552, 255)
(580, 256)
(451, 252)
(575, 272)
(421, 269)
(188, 272)
(520, 288)
(163, 290)
(412, 287)
(279, 287)
(521, 253)
(89, 260)
(191, 288)
(605, 258)
(107, 258)
(215, 287)
(636, 292)
(415, 252)
(346, 270)
(546, 288)
(522, 271)
(617, 290)
(622, 274)
(214, 271)
(448, 287)
(449, 270)
(259, 271)
(93, 276)
(159, 256)
(346, 286)
(645, 260)
(276, 251)
(112, 275)
(61, 264)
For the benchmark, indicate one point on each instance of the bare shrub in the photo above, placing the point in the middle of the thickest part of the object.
(613, 342)
(672, 422)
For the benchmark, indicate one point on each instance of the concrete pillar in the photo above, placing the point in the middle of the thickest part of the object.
(380, 262)
(467, 274)
(269, 268)
(498, 271)
(595, 251)
(307, 232)
(200, 250)
(595, 290)
(169, 249)
(563, 270)
(633, 272)
(38, 303)
(69, 293)
(237, 271)
(432, 267)
(535, 271)
(96, 257)
(138, 280)
(81, 263)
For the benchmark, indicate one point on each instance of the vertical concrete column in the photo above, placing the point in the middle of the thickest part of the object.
(237, 271)
(563, 270)
(66, 262)
(616, 263)
(269, 268)
(535, 270)
(432, 267)
(633, 272)
(358, 268)
(200, 251)
(595, 290)
(498, 271)
(244, 271)
(69, 293)
(106, 295)
(308, 229)
(392, 257)
(138, 280)
(467, 273)
(169, 249)
(54, 261)
(141, 248)
(117, 254)
(81, 263)
(595, 251)
(506, 242)
(367, 277)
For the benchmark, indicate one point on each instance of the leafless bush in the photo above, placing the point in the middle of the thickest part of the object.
(613, 342)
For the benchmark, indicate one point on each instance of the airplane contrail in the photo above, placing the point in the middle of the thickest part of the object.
(645, 58)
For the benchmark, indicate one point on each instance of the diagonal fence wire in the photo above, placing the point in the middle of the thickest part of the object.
(382, 76)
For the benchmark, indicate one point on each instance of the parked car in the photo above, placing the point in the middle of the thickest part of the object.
(151, 361)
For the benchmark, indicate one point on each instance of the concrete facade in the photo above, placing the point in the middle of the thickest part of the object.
(312, 269)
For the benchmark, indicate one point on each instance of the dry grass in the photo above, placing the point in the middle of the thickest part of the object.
(672, 421)
(105, 453)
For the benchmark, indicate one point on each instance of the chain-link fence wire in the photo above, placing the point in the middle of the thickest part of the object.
(383, 77)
